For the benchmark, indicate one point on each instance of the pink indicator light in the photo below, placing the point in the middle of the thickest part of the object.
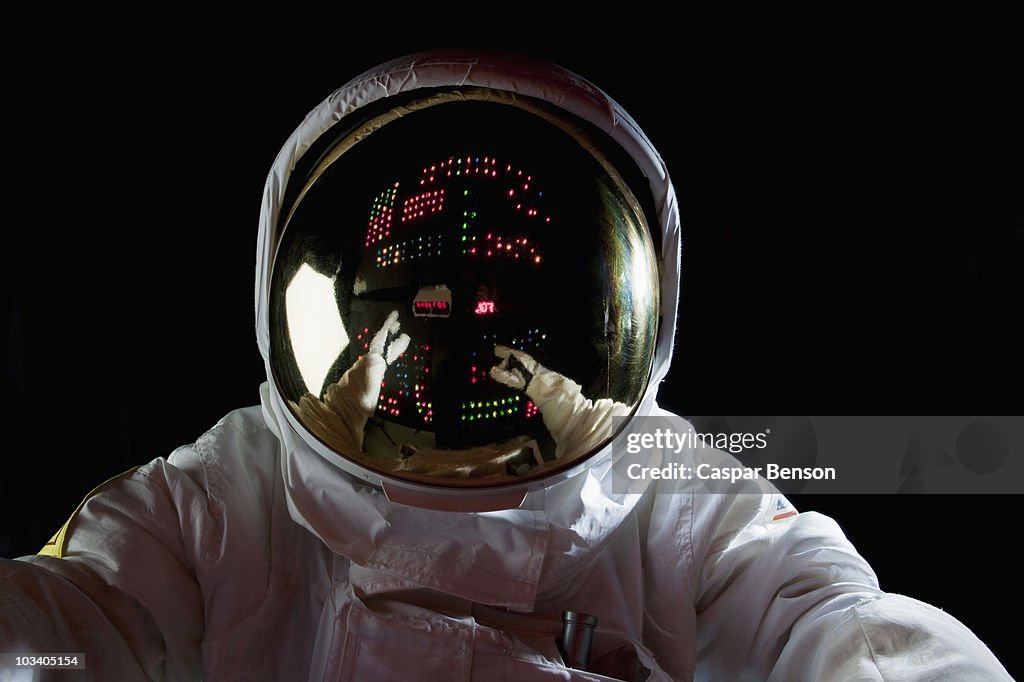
(484, 308)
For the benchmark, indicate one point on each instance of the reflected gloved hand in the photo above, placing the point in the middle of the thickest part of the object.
(577, 423)
(349, 402)
(515, 369)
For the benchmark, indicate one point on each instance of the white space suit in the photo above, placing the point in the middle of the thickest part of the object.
(249, 556)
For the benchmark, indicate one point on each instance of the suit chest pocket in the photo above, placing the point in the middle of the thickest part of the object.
(409, 643)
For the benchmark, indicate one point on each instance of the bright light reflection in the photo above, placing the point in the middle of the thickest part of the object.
(314, 326)
(643, 274)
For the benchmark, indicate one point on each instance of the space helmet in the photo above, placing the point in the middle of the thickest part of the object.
(464, 299)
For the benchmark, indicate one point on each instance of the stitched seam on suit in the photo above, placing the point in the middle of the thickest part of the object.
(871, 649)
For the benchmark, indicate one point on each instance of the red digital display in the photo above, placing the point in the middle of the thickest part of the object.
(484, 307)
(433, 301)
(427, 307)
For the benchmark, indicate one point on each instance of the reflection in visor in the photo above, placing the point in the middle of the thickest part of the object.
(501, 303)
(435, 301)
(317, 335)
(472, 239)
(472, 208)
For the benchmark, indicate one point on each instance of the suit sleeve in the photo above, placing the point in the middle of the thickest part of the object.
(123, 591)
(785, 596)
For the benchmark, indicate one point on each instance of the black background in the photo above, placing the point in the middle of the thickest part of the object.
(852, 224)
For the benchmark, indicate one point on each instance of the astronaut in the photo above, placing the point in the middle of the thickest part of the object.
(467, 283)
